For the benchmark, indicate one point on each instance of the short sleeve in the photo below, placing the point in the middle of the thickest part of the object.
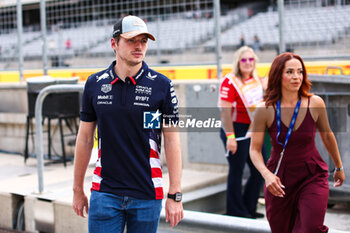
(227, 91)
(170, 109)
(88, 113)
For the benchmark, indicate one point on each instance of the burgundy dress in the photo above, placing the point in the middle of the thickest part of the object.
(305, 177)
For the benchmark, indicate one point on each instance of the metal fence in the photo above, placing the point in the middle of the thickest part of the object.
(318, 28)
(78, 31)
(8, 36)
(83, 30)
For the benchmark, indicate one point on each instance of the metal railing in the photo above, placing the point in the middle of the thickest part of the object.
(39, 128)
(194, 221)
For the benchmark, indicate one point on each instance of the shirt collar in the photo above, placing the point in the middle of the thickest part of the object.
(133, 79)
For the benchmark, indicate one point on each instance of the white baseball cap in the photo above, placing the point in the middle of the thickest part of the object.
(131, 26)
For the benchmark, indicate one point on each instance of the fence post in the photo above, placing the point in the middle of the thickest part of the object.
(218, 38)
(43, 34)
(19, 36)
(282, 45)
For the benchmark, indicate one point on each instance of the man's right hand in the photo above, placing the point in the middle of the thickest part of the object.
(231, 145)
(80, 203)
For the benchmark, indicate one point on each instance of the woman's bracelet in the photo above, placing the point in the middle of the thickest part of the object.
(339, 169)
(230, 135)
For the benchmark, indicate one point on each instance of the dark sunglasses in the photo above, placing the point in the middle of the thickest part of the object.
(244, 60)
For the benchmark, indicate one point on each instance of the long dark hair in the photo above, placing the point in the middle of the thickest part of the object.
(273, 92)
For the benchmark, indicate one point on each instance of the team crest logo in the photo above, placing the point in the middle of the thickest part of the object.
(105, 88)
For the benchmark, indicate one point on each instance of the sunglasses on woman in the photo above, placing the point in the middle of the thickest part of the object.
(250, 59)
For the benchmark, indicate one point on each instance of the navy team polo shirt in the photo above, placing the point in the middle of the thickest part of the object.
(129, 161)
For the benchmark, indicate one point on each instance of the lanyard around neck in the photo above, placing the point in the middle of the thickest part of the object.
(290, 129)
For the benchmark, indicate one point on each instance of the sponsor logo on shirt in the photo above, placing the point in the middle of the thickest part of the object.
(151, 77)
(174, 100)
(104, 99)
(143, 90)
(104, 102)
(142, 98)
(141, 104)
(138, 76)
(141, 101)
(103, 76)
(106, 88)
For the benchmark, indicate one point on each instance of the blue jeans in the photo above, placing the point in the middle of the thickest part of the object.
(110, 213)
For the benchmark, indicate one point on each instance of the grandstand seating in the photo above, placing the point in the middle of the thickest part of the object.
(9, 44)
(302, 25)
(94, 38)
(170, 33)
(82, 38)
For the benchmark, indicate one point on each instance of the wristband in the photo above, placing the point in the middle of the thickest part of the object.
(339, 169)
(230, 135)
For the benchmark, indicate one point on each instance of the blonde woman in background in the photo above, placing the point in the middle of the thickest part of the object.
(240, 91)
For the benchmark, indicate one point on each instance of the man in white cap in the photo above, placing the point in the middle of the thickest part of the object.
(128, 102)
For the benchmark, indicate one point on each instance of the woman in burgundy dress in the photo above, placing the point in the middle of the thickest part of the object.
(296, 177)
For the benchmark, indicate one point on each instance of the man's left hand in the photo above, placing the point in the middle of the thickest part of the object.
(173, 212)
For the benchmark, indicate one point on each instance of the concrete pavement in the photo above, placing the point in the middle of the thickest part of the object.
(52, 209)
